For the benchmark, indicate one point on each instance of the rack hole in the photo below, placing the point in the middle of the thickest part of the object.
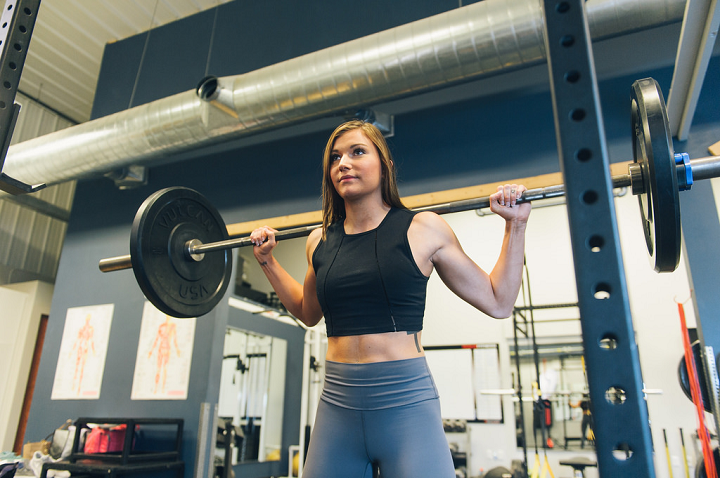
(602, 291)
(23, 29)
(578, 114)
(27, 11)
(595, 243)
(608, 342)
(17, 47)
(622, 452)
(12, 65)
(567, 41)
(590, 197)
(572, 76)
(4, 25)
(615, 395)
(2, 105)
(583, 155)
(7, 84)
(10, 7)
(562, 7)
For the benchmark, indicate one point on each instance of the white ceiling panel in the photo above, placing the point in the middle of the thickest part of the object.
(63, 62)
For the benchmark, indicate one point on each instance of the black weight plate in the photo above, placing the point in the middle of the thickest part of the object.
(684, 378)
(653, 151)
(175, 283)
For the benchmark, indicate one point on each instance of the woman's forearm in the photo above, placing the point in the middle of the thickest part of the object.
(506, 276)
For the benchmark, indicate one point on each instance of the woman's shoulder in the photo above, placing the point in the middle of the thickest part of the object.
(429, 219)
(315, 235)
(432, 228)
(312, 241)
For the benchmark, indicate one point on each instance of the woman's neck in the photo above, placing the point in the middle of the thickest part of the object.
(364, 216)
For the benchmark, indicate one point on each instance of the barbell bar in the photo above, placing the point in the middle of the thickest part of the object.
(703, 168)
(177, 234)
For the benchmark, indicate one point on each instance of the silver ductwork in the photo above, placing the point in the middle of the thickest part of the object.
(464, 44)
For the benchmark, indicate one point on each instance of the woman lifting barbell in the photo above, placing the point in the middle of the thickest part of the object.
(367, 274)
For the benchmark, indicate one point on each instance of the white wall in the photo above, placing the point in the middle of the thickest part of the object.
(21, 305)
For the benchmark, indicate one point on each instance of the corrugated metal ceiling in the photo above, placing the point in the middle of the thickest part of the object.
(32, 227)
(61, 72)
(63, 62)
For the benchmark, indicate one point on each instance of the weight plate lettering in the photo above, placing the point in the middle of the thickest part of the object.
(174, 282)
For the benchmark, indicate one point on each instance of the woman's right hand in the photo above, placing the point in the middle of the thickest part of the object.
(263, 240)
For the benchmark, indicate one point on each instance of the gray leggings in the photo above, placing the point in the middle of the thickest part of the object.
(384, 414)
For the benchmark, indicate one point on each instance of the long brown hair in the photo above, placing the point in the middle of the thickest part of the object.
(333, 206)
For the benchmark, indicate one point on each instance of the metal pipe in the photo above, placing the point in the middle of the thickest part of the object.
(461, 45)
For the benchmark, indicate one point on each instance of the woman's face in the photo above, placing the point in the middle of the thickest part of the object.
(355, 166)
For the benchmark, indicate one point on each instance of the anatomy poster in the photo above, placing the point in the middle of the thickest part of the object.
(162, 366)
(83, 349)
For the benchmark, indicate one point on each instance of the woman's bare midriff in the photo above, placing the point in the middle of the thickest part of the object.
(375, 347)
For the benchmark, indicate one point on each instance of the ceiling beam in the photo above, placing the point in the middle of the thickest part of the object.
(697, 39)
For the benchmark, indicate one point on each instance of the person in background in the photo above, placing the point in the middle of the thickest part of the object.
(586, 426)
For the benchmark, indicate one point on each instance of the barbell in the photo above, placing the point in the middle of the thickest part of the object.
(177, 236)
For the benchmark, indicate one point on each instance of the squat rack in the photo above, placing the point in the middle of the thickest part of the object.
(613, 366)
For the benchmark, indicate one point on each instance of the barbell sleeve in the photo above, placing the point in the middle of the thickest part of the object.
(117, 263)
(705, 168)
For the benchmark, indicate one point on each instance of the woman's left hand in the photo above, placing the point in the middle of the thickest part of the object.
(504, 203)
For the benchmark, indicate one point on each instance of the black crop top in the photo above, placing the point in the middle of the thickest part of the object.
(369, 283)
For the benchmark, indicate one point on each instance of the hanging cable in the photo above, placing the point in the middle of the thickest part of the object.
(212, 39)
(142, 57)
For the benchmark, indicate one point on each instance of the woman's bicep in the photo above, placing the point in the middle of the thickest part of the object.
(312, 312)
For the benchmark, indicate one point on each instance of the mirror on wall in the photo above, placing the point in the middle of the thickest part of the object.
(251, 400)
(563, 385)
